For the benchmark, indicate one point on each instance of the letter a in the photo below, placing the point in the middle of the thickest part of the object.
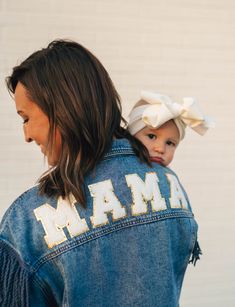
(177, 198)
(105, 201)
(144, 191)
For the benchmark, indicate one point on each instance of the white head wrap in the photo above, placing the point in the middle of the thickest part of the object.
(159, 109)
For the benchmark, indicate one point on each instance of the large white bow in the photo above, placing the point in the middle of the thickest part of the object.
(161, 108)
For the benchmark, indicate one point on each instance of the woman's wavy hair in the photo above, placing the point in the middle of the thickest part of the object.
(74, 90)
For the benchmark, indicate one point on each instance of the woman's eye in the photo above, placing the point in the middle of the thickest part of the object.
(151, 136)
(25, 120)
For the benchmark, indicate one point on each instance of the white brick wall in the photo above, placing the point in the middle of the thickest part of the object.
(177, 47)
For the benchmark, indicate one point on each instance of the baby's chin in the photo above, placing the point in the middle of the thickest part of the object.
(158, 160)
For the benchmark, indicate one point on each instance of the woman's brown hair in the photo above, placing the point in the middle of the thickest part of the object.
(74, 90)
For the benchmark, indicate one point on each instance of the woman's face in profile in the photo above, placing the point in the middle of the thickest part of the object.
(36, 125)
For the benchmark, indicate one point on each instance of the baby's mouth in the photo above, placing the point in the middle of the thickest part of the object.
(157, 160)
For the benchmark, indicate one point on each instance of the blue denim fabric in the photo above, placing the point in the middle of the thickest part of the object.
(134, 259)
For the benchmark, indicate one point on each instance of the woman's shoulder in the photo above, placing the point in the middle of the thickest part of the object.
(20, 204)
(20, 229)
(19, 216)
(17, 248)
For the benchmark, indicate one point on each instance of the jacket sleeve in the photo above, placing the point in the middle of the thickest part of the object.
(14, 278)
(19, 287)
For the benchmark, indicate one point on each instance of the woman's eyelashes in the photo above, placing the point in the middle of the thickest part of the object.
(25, 120)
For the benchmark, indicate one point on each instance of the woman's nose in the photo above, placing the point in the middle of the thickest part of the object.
(27, 137)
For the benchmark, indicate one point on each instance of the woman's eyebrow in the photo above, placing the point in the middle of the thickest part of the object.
(20, 112)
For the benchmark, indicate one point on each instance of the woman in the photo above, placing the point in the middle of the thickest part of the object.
(102, 227)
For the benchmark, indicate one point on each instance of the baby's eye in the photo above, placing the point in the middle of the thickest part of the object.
(151, 136)
(170, 143)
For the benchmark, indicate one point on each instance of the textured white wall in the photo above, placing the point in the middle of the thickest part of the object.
(177, 47)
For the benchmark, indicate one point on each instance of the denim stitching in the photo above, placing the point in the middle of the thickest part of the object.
(111, 229)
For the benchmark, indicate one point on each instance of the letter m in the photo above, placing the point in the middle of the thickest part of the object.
(54, 220)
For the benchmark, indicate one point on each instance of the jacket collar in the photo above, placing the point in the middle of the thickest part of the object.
(119, 147)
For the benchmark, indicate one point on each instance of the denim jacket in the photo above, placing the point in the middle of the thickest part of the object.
(129, 247)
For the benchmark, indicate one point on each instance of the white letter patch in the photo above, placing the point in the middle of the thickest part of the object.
(142, 192)
(177, 198)
(54, 220)
(105, 201)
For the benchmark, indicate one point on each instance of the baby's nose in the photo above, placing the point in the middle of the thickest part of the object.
(159, 147)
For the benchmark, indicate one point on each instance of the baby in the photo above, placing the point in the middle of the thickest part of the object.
(160, 124)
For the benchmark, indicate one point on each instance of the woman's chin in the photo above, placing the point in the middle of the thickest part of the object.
(51, 161)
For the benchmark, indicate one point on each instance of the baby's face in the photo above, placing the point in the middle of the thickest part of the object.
(161, 142)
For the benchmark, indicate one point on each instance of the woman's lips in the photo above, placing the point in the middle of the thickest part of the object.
(157, 160)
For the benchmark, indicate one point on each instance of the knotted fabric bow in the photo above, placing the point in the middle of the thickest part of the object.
(159, 109)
